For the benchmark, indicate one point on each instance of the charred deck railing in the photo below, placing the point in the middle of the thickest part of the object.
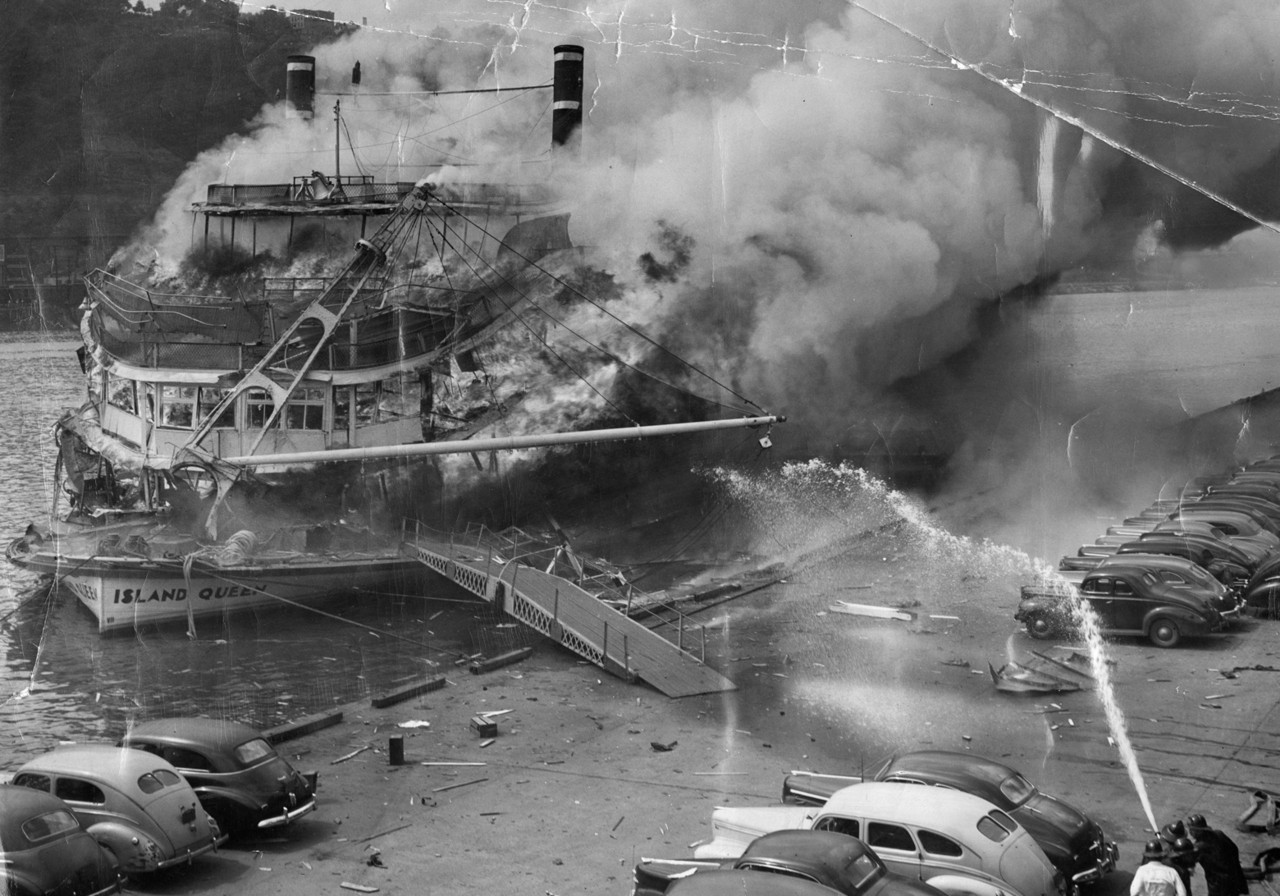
(307, 193)
(153, 329)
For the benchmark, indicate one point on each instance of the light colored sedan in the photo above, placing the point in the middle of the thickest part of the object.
(133, 803)
(954, 841)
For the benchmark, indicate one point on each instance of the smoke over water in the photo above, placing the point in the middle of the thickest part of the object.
(807, 203)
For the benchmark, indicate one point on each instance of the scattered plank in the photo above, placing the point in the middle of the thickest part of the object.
(451, 763)
(359, 888)
(350, 755)
(459, 784)
(843, 606)
(408, 691)
(384, 833)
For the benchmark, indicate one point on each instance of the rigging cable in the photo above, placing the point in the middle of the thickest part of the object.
(580, 294)
(559, 357)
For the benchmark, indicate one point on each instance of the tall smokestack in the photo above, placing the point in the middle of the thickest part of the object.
(300, 86)
(566, 95)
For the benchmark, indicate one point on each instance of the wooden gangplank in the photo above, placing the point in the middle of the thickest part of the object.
(572, 617)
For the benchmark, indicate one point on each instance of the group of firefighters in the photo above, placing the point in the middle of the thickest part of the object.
(1169, 862)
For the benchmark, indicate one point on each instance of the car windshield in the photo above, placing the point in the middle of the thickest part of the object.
(1016, 789)
(252, 751)
(153, 782)
(863, 870)
(50, 824)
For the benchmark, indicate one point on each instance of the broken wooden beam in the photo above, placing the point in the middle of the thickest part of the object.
(502, 659)
(303, 726)
(408, 691)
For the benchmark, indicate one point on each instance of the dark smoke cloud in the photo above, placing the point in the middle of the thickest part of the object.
(848, 202)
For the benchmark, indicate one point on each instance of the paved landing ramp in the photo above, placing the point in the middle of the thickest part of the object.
(571, 616)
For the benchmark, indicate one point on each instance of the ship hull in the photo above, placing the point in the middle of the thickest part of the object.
(126, 593)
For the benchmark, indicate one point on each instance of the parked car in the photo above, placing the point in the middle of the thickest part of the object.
(839, 861)
(135, 804)
(45, 850)
(1266, 517)
(1212, 559)
(1186, 574)
(1245, 556)
(1256, 550)
(1262, 592)
(1232, 523)
(240, 778)
(956, 842)
(1073, 842)
(747, 883)
(1130, 595)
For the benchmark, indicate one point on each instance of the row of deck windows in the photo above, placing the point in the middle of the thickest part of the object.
(185, 407)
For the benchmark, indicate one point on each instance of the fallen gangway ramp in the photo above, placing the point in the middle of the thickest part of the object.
(571, 616)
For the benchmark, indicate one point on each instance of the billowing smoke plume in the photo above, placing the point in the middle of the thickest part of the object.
(805, 199)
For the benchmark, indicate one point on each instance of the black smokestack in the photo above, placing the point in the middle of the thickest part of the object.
(566, 94)
(300, 86)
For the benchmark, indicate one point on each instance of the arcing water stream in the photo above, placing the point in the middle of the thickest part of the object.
(810, 511)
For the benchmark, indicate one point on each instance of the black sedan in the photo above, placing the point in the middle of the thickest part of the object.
(1161, 598)
(1073, 842)
(838, 861)
(1220, 561)
(46, 852)
(747, 883)
(240, 779)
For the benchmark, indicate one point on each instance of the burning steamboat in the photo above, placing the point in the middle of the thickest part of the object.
(204, 412)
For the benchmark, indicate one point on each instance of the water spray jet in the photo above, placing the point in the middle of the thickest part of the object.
(850, 496)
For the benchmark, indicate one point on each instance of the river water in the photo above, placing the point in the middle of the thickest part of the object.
(61, 680)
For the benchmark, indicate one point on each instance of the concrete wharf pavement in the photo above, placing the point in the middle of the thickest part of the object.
(572, 792)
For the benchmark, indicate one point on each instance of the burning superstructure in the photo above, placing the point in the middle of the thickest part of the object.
(385, 351)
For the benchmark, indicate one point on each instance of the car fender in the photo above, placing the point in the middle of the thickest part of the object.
(1044, 603)
(143, 855)
(1199, 621)
(18, 882)
(230, 794)
(964, 885)
(1263, 594)
(734, 827)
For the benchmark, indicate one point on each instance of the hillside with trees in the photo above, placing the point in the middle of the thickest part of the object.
(103, 103)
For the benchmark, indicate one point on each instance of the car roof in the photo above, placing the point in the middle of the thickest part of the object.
(17, 804)
(1142, 562)
(907, 803)
(807, 847)
(746, 883)
(103, 762)
(953, 768)
(221, 734)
